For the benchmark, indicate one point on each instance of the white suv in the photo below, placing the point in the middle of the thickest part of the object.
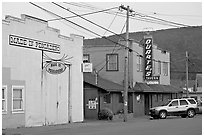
(177, 107)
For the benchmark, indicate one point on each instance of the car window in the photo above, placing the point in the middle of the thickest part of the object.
(174, 103)
(183, 102)
(192, 101)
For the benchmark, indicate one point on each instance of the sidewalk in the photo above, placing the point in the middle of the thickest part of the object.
(90, 123)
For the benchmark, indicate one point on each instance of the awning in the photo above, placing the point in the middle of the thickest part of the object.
(102, 83)
(156, 88)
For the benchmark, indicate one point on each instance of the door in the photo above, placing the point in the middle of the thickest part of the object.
(91, 103)
(130, 102)
(146, 104)
(173, 107)
(183, 106)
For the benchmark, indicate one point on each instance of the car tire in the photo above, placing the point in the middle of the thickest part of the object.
(162, 114)
(191, 113)
(183, 116)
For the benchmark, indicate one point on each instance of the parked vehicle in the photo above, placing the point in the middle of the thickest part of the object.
(177, 107)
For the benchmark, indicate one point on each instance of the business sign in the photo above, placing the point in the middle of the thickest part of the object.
(55, 67)
(33, 44)
(153, 80)
(148, 57)
(87, 67)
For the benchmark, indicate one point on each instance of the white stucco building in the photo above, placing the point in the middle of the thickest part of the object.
(30, 95)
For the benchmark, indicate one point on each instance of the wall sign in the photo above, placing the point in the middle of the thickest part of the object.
(33, 44)
(148, 57)
(153, 80)
(87, 67)
(55, 67)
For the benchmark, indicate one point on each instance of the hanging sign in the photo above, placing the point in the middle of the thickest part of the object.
(55, 67)
(148, 57)
(33, 44)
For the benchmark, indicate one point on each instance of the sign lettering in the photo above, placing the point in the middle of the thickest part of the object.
(34, 44)
(148, 57)
(55, 67)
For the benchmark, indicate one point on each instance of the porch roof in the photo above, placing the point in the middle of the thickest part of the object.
(156, 88)
(102, 83)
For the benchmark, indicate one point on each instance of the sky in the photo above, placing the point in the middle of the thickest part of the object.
(185, 13)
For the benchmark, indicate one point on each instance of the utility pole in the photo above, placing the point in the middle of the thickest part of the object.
(126, 67)
(187, 94)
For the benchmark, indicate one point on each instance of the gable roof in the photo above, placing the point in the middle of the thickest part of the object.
(102, 83)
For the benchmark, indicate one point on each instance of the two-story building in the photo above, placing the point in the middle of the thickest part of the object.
(149, 71)
(42, 81)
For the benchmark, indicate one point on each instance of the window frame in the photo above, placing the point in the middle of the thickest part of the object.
(5, 96)
(107, 99)
(139, 64)
(170, 104)
(23, 99)
(120, 99)
(165, 68)
(159, 67)
(107, 62)
(184, 101)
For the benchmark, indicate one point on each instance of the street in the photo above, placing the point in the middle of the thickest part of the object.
(136, 126)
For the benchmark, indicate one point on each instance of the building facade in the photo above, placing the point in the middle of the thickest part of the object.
(144, 92)
(42, 81)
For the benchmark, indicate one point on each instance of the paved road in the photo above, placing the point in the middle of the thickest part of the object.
(137, 126)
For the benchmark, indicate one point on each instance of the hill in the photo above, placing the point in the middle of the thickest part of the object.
(177, 41)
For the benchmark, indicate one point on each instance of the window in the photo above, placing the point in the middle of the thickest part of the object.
(86, 58)
(120, 98)
(159, 67)
(183, 102)
(107, 98)
(4, 99)
(139, 63)
(174, 103)
(112, 62)
(17, 99)
(165, 68)
(191, 101)
(153, 66)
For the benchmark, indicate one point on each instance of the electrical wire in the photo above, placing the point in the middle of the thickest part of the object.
(84, 14)
(141, 17)
(82, 27)
(111, 23)
(87, 20)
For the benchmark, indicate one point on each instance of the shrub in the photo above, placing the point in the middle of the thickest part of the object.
(105, 113)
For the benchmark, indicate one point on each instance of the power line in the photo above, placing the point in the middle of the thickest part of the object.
(81, 26)
(122, 15)
(111, 22)
(143, 15)
(87, 20)
(84, 14)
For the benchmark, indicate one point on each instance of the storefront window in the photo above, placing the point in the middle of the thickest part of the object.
(120, 98)
(107, 98)
(18, 98)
